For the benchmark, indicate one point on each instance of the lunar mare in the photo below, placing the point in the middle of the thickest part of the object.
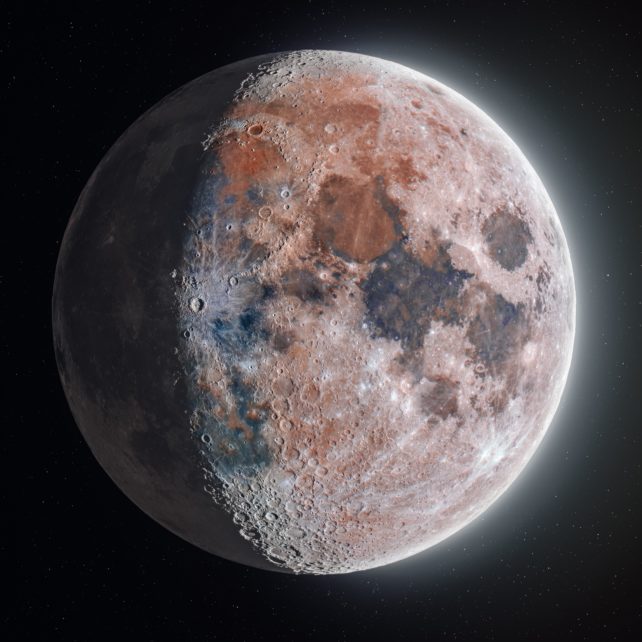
(314, 312)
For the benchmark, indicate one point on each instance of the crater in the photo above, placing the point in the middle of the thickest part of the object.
(507, 238)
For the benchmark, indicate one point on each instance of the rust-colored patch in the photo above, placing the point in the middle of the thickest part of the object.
(352, 115)
(257, 411)
(310, 118)
(247, 162)
(405, 173)
(209, 386)
(368, 161)
(277, 107)
(350, 219)
(235, 423)
(437, 126)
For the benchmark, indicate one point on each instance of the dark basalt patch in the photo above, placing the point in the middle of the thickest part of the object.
(542, 282)
(236, 336)
(232, 436)
(248, 410)
(255, 195)
(441, 400)
(507, 238)
(304, 285)
(543, 277)
(251, 251)
(230, 430)
(498, 331)
(281, 341)
(403, 296)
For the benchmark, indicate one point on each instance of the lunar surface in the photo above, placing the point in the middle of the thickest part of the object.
(314, 312)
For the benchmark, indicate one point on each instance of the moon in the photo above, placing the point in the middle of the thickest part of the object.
(314, 312)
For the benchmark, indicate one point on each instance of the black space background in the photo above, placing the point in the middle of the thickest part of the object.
(557, 558)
